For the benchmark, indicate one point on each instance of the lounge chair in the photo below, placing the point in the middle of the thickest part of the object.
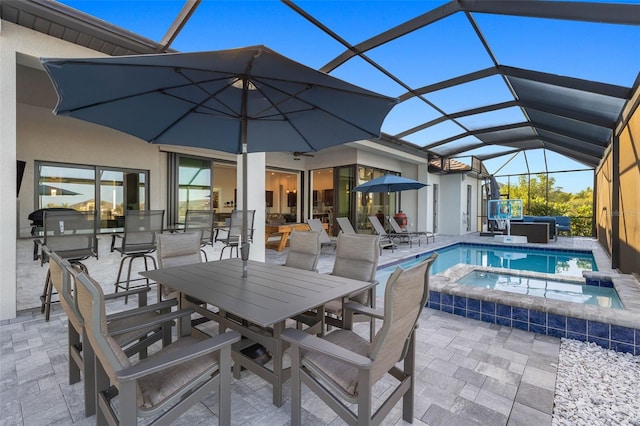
(386, 240)
(325, 240)
(398, 230)
(345, 225)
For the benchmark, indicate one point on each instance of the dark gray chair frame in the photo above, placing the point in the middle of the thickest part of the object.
(135, 329)
(203, 220)
(370, 364)
(113, 377)
(234, 233)
(138, 242)
(72, 235)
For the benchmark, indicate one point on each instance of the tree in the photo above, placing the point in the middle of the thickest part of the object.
(542, 197)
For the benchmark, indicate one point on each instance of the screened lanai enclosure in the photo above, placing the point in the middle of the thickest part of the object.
(541, 95)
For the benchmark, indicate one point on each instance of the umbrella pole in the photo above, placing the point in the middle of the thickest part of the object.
(244, 242)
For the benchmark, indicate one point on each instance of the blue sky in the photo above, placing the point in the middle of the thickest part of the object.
(443, 50)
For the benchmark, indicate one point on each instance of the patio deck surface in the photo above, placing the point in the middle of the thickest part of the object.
(468, 372)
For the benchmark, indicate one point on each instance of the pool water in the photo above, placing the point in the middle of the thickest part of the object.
(560, 262)
(559, 290)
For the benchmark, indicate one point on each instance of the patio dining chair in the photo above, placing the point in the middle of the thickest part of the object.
(356, 258)
(177, 250)
(134, 330)
(72, 235)
(304, 250)
(138, 242)
(398, 230)
(164, 385)
(203, 220)
(325, 240)
(342, 367)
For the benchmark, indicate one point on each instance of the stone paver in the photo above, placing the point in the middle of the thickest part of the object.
(467, 372)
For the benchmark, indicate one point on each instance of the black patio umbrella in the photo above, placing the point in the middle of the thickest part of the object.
(240, 100)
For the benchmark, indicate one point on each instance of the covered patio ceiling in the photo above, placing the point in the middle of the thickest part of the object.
(476, 78)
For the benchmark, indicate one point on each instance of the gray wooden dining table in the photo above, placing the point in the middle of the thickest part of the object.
(257, 306)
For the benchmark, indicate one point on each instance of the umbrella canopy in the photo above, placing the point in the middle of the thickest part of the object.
(389, 183)
(241, 100)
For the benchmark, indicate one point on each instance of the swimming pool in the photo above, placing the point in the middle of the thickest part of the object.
(558, 262)
(547, 288)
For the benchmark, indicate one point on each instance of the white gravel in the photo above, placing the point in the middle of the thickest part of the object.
(596, 386)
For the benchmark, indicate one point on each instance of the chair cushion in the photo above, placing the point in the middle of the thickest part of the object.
(157, 388)
(341, 374)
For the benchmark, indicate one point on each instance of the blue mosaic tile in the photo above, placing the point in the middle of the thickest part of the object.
(598, 329)
(489, 308)
(607, 284)
(577, 325)
(473, 305)
(537, 328)
(435, 306)
(600, 342)
(592, 282)
(622, 334)
(473, 314)
(503, 310)
(557, 321)
(434, 296)
(576, 336)
(622, 347)
(460, 302)
(537, 317)
(447, 308)
(520, 314)
(503, 321)
(460, 311)
(555, 332)
(520, 325)
(446, 299)
(488, 318)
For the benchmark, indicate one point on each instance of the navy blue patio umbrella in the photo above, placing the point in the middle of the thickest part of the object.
(239, 101)
(388, 184)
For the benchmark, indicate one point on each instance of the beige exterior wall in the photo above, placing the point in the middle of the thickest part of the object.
(604, 206)
(629, 205)
(624, 211)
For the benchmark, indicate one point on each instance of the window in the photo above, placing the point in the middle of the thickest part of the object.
(76, 187)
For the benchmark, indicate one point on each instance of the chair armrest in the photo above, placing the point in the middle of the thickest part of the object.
(165, 304)
(141, 292)
(357, 308)
(157, 320)
(316, 344)
(165, 360)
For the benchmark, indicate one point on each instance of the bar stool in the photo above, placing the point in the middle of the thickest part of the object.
(138, 242)
(72, 236)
